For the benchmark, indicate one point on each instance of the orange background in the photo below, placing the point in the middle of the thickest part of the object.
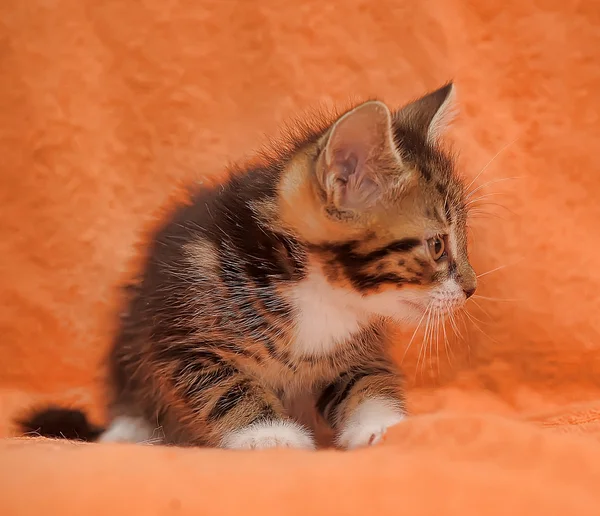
(106, 108)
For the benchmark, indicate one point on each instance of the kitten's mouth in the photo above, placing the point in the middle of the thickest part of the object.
(432, 308)
(413, 309)
(414, 304)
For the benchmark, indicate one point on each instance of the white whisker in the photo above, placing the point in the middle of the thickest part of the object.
(489, 203)
(477, 296)
(433, 341)
(485, 196)
(454, 326)
(478, 213)
(491, 182)
(497, 269)
(481, 308)
(502, 149)
(437, 344)
(415, 332)
(477, 319)
(449, 317)
(462, 320)
(473, 319)
(425, 337)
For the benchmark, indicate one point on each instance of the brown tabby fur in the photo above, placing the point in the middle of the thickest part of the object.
(207, 346)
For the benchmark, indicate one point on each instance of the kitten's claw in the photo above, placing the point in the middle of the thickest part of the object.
(276, 434)
(369, 423)
(361, 436)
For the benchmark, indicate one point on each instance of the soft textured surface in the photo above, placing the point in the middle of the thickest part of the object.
(107, 107)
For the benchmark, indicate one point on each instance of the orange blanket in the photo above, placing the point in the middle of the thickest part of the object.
(107, 107)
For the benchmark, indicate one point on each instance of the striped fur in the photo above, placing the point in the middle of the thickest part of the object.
(281, 282)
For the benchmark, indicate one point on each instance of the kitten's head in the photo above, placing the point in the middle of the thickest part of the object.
(383, 210)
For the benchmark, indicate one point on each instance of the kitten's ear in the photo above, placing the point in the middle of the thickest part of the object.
(358, 151)
(430, 115)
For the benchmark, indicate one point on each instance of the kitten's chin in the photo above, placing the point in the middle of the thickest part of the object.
(399, 309)
(412, 313)
(410, 310)
(408, 313)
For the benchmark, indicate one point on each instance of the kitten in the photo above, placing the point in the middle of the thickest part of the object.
(281, 282)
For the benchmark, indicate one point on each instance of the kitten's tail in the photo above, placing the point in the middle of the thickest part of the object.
(60, 423)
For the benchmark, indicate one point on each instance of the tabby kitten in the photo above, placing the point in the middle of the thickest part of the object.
(281, 282)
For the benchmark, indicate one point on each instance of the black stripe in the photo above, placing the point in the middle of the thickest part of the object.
(296, 258)
(189, 355)
(372, 281)
(266, 414)
(353, 263)
(359, 375)
(235, 348)
(347, 252)
(399, 246)
(191, 385)
(169, 333)
(255, 326)
(413, 146)
(328, 396)
(440, 189)
(251, 296)
(344, 394)
(229, 400)
(404, 245)
(336, 392)
(274, 303)
(270, 347)
(264, 256)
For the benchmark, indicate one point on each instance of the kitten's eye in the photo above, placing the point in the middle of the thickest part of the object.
(437, 247)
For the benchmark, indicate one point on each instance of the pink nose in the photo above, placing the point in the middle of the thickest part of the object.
(469, 292)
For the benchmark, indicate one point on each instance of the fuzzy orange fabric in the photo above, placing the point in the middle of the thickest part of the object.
(107, 107)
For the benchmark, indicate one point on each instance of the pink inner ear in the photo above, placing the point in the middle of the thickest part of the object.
(363, 131)
(345, 166)
(361, 192)
(354, 188)
(357, 141)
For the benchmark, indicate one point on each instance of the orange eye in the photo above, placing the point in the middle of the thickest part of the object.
(437, 247)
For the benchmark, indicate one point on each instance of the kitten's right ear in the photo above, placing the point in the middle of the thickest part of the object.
(359, 147)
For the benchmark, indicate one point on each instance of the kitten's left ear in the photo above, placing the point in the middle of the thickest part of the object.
(430, 115)
(358, 153)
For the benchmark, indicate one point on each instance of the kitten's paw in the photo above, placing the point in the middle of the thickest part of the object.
(271, 434)
(129, 429)
(369, 422)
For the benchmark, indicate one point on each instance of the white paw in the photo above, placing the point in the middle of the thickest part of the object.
(272, 434)
(369, 422)
(129, 429)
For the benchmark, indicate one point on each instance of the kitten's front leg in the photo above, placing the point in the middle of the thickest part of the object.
(222, 407)
(363, 403)
(248, 416)
(369, 422)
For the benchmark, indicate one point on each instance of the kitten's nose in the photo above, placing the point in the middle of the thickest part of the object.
(469, 292)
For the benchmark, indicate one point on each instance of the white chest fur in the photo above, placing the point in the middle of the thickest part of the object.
(326, 315)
